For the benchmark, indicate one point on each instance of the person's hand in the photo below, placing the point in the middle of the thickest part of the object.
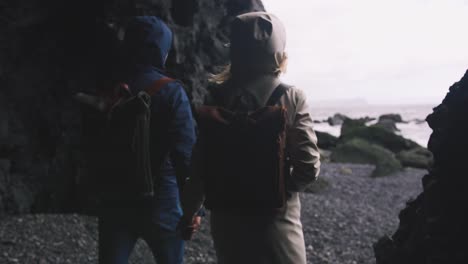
(196, 223)
(188, 226)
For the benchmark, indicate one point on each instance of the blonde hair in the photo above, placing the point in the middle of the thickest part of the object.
(281, 61)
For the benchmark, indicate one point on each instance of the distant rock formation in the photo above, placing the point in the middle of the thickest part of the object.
(434, 227)
(387, 124)
(389, 121)
(393, 117)
(351, 124)
(360, 143)
(379, 136)
(337, 119)
(50, 49)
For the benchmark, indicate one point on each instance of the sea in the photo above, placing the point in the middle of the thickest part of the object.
(415, 128)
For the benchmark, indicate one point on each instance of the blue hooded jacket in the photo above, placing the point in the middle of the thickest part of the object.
(147, 43)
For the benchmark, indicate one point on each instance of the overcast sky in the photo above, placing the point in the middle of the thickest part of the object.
(393, 51)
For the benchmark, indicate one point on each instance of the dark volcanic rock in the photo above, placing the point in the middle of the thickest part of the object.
(351, 124)
(379, 136)
(336, 119)
(393, 117)
(433, 228)
(360, 151)
(49, 50)
(416, 158)
(325, 140)
(387, 124)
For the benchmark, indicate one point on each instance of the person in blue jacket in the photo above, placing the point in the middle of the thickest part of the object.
(146, 44)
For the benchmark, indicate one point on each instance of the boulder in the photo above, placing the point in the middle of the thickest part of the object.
(393, 117)
(387, 124)
(337, 119)
(379, 136)
(325, 140)
(363, 152)
(351, 124)
(416, 158)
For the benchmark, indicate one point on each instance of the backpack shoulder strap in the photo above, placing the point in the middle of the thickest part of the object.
(158, 85)
(277, 93)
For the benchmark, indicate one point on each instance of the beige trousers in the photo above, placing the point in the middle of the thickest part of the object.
(257, 238)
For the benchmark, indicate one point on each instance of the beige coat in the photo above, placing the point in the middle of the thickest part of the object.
(249, 237)
(301, 141)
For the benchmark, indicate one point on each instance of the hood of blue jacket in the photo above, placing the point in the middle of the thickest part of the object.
(147, 41)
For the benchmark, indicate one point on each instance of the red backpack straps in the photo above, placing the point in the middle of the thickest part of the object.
(157, 85)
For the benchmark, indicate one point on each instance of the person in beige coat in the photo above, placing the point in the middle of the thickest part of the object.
(258, 42)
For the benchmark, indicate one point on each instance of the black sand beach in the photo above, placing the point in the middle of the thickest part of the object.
(341, 222)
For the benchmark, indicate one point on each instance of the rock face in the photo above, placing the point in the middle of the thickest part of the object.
(433, 228)
(51, 49)
(351, 124)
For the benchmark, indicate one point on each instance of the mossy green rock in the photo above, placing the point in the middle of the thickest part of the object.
(393, 117)
(379, 136)
(351, 124)
(363, 152)
(387, 124)
(416, 158)
(325, 140)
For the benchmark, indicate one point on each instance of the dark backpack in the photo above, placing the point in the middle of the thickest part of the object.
(116, 146)
(245, 156)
